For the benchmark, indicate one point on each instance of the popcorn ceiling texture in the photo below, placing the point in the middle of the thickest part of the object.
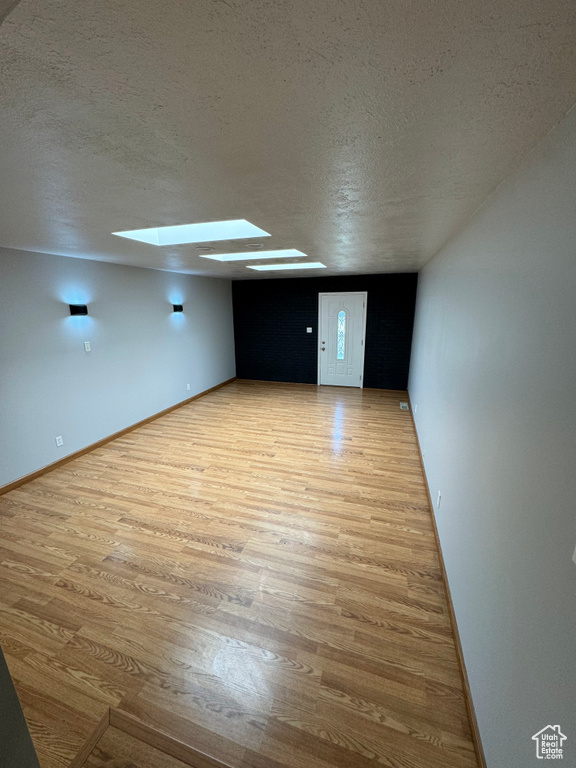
(5, 7)
(363, 132)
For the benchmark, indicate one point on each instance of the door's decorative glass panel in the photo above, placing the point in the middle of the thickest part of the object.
(341, 342)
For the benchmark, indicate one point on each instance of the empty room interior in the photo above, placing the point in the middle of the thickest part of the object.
(287, 383)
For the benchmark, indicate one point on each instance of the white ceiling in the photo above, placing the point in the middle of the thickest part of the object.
(362, 132)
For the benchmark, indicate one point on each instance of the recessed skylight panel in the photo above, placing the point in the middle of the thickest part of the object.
(195, 233)
(301, 265)
(286, 253)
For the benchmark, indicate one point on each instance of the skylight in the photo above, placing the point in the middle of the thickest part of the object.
(301, 265)
(286, 253)
(195, 233)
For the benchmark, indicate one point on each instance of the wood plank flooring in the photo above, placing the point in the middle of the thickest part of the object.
(254, 574)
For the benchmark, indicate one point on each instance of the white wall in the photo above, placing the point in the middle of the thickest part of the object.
(494, 381)
(143, 355)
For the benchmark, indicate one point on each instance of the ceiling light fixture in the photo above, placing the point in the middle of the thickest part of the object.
(195, 233)
(302, 265)
(286, 253)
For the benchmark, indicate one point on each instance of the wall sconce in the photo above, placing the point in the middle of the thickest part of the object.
(178, 308)
(78, 309)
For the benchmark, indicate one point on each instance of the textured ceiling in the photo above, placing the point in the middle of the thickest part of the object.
(5, 7)
(362, 132)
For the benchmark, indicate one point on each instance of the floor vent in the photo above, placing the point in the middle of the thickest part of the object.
(403, 406)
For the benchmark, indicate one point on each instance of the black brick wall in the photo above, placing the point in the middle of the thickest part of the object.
(271, 316)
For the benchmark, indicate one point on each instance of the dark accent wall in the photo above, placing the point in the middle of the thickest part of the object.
(271, 316)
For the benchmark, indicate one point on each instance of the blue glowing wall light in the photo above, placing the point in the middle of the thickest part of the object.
(78, 309)
(176, 298)
(77, 298)
(75, 322)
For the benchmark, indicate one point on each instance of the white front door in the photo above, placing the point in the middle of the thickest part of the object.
(341, 331)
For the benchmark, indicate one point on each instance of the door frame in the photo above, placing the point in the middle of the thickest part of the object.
(365, 312)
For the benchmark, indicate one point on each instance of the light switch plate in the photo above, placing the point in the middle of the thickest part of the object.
(87, 347)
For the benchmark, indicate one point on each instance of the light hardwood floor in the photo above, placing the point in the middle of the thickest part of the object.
(255, 574)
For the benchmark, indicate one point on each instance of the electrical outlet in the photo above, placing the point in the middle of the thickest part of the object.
(403, 406)
(415, 409)
(188, 387)
(439, 500)
(59, 441)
